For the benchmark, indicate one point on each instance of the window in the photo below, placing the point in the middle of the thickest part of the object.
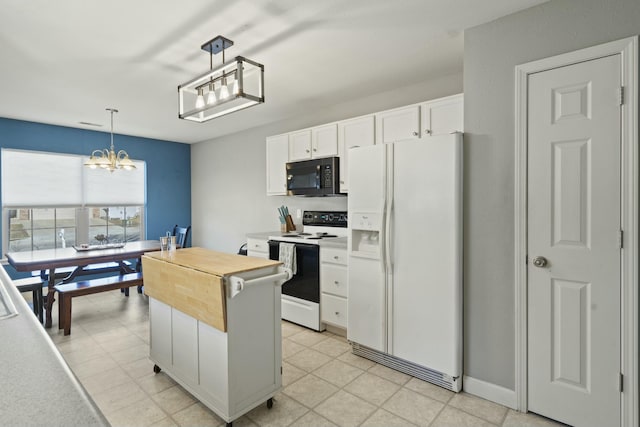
(49, 228)
(51, 198)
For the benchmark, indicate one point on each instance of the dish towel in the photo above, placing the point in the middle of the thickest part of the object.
(287, 256)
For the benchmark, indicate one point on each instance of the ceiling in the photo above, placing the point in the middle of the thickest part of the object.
(65, 61)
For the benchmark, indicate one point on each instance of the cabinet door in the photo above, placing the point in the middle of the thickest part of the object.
(184, 334)
(277, 158)
(324, 141)
(159, 323)
(398, 125)
(443, 116)
(354, 133)
(300, 145)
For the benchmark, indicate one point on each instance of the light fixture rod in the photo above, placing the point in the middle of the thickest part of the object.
(111, 110)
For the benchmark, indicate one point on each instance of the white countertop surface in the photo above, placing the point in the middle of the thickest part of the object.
(38, 388)
(334, 242)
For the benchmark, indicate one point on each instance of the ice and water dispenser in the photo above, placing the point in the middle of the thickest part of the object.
(366, 229)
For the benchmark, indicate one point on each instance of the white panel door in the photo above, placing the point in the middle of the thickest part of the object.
(300, 145)
(426, 253)
(573, 226)
(398, 125)
(277, 158)
(442, 117)
(324, 141)
(359, 132)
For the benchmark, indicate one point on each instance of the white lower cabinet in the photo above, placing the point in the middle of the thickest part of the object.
(333, 286)
(258, 248)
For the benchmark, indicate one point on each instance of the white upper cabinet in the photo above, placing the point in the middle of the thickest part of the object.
(277, 158)
(324, 141)
(435, 117)
(442, 116)
(300, 145)
(398, 124)
(353, 133)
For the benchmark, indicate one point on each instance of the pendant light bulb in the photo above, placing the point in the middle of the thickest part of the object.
(211, 98)
(234, 89)
(224, 90)
(200, 98)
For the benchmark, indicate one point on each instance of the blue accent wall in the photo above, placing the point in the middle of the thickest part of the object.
(168, 165)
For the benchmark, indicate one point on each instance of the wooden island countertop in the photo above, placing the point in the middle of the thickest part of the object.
(213, 262)
(193, 280)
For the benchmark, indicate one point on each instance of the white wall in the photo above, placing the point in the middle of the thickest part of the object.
(228, 173)
(491, 53)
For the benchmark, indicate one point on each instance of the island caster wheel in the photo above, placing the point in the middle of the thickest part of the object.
(270, 403)
(156, 369)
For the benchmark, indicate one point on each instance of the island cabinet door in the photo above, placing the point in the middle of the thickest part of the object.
(160, 323)
(184, 333)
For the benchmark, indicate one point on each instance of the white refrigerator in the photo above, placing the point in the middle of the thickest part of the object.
(405, 256)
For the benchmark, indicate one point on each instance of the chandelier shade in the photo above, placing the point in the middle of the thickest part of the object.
(107, 158)
(230, 87)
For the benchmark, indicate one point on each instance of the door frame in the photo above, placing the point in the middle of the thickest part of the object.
(628, 49)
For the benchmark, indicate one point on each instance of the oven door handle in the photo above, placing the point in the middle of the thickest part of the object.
(236, 284)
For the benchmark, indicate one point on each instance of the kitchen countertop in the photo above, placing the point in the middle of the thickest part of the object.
(213, 262)
(337, 242)
(38, 388)
(263, 235)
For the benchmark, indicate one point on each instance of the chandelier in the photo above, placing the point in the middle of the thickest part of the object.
(107, 158)
(222, 90)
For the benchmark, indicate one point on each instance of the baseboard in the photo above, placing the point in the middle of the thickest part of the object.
(488, 391)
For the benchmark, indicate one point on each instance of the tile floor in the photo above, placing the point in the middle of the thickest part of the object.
(323, 383)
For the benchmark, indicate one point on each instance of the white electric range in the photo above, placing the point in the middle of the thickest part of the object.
(301, 294)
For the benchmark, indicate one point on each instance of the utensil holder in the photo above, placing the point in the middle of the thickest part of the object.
(290, 226)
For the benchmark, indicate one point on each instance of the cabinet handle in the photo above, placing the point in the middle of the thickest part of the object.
(427, 131)
(306, 150)
(341, 182)
(335, 282)
(415, 133)
(337, 313)
(336, 257)
(314, 150)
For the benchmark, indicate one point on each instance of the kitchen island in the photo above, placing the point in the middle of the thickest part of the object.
(215, 326)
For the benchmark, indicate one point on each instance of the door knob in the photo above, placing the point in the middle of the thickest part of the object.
(540, 261)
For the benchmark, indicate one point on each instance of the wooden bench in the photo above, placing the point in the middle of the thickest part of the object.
(33, 285)
(87, 287)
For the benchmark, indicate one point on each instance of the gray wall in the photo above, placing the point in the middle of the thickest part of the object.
(491, 52)
(228, 173)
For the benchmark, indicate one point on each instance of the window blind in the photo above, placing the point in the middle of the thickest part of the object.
(40, 179)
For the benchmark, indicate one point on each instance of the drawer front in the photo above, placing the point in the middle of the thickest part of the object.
(334, 310)
(333, 255)
(333, 279)
(258, 245)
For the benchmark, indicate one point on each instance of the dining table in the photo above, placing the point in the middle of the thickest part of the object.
(79, 257)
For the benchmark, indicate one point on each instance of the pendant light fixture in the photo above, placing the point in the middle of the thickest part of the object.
(245, 76)
(107, 158)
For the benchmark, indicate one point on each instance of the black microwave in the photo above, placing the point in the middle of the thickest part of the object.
(317, 177)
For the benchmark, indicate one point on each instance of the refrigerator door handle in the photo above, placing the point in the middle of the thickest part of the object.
(388, 210)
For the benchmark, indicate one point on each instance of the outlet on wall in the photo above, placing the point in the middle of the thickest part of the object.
(298, 213)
